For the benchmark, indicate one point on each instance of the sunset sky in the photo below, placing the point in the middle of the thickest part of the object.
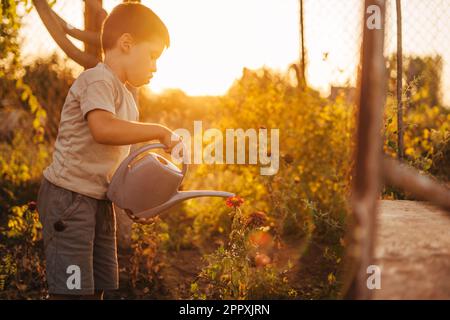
(212, 40)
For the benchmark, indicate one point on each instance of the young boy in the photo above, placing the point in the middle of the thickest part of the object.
(98, 125)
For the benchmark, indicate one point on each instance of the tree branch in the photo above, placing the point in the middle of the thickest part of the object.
(56, 31)
(90, 37)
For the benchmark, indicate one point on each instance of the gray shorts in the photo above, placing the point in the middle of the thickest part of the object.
(80, 241)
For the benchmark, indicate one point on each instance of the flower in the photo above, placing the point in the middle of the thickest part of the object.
(262, 260)
(261, 240)
(256, 219)
(288, 158)
(331, 279)
(32, 205)
(234, 202)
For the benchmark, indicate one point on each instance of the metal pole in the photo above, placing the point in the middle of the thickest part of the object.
(366, 187)
(302, 42)
(421, 186)
(400, 127)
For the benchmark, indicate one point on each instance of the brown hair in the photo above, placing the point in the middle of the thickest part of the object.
(136, 19)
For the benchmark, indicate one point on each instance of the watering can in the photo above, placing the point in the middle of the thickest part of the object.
(147, 184)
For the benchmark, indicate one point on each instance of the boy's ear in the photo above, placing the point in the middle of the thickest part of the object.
(125, 42)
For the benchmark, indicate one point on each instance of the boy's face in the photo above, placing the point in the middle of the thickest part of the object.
(140, 61)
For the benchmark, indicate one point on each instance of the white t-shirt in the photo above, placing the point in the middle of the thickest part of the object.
(79, 163)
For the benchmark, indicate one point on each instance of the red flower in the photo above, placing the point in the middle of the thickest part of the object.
(234, 202)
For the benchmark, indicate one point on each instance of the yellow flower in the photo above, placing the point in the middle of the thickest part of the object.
(331, 279)
(409, 151)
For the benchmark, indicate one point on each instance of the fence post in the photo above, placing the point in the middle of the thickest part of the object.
(302, 45)
(400, 126)
(367, 173)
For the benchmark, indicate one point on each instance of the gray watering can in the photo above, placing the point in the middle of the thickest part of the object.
(147, 184)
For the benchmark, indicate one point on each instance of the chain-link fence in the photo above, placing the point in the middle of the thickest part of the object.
(332, 38)
(421, 61)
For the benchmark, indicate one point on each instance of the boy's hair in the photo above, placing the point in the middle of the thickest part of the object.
(136, 19)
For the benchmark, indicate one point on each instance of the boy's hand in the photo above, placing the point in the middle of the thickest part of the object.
(170, 139)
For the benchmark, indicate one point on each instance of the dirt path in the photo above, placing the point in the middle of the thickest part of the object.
(413, 251)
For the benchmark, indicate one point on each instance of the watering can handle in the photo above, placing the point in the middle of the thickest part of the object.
(151, 146)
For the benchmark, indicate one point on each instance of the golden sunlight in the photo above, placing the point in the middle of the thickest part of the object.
(213, 40)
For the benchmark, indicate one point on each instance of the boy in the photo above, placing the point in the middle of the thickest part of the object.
(98, 125)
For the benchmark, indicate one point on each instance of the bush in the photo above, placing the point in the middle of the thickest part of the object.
(243, 269)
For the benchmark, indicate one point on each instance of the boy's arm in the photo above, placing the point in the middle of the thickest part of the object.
(107, 129)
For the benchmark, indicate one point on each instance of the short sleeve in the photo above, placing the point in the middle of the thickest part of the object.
(97, 95)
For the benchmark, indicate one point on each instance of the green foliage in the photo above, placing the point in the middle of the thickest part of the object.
(23, 224)
(147, 242)
(22, 157)
(305, 201)
(316, 145)
(426, 121)
(423, 76)
(21, 256)
(231, 272)
(9, 45)
(10, 63)
(440, 157)
(426, 130)
(16, 166)
(50, 79)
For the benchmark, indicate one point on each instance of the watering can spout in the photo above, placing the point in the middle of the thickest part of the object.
(182, 196)
(185, 195)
